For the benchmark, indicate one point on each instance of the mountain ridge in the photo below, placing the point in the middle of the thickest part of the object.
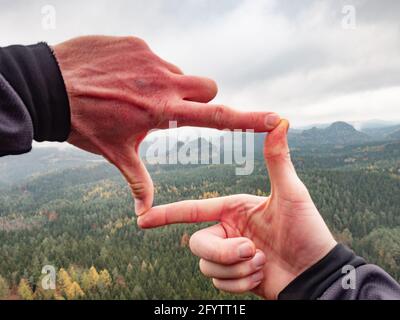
(338, 132)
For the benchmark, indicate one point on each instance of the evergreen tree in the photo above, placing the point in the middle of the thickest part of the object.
(4, 289)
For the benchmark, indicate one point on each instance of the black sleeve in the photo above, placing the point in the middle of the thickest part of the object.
(33, 99)
(341, 275)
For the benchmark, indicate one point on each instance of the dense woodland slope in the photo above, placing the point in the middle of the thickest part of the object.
(77, 215)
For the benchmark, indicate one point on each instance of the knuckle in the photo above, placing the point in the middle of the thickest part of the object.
(218, 116)
(194, 214)
(241, 271)
(224, 256)
(138, 189)
(135, 42)
(174, 68)
(159, 115)
(169, 109)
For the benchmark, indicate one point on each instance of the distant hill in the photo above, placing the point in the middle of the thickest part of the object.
(372, 124)
(381, 133)
(42, 161)
(394, 135)
(45, 160)
(359, 125)
(337, 133)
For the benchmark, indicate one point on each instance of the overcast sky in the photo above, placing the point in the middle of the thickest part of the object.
(301, 59)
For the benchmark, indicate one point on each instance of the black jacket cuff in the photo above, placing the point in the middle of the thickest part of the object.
(34, 74)
(313, 282)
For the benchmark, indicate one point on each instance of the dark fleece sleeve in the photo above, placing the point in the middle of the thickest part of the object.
(341, 275)
(33, 99)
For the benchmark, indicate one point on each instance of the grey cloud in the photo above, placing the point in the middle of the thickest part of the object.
(290, 55)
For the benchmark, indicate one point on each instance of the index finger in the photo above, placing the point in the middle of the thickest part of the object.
(188, 211)
(197, 114)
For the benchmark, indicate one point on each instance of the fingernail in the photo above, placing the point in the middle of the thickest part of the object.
(259, 260)
(287, 127)
(139, 207)
(257, 276)
(245, 251)
(272, 120)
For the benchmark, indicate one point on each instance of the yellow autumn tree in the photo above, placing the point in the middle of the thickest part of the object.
(105, 278)
(58, 296)
(93, 277)
(24, 290)
(74, 291)
(209, 195)
(70, 288)
(129, 268)
(260, 193)
(64, 280)
(143, 267)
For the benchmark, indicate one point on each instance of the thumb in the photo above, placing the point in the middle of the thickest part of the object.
(213, 245)
(139, 181)
(281, 171)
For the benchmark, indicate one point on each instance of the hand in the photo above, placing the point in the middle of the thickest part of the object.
(119, 90)
(260, 243)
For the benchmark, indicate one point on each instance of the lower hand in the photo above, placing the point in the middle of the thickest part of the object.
(260, 243)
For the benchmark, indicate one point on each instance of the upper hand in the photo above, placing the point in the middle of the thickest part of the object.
(119, 90)
(260, 243)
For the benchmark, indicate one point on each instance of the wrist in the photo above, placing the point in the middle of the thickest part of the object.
(305, 261)
(314, 281)
(34, 74)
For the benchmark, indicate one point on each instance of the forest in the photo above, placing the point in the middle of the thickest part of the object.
(80, 220)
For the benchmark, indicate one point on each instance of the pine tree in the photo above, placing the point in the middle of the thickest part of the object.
(4, 289)
(185, 240)
(85, 281)
(73, 273)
